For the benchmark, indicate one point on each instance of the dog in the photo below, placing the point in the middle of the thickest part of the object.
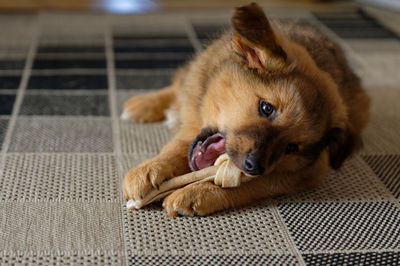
(278, 97)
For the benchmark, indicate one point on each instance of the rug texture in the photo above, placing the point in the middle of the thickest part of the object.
(64, 150)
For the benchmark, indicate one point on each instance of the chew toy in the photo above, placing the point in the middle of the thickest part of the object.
(224, 173)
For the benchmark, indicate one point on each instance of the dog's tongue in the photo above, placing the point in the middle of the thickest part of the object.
(205, 154)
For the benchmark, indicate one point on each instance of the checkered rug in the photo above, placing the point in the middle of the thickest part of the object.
(63, 80)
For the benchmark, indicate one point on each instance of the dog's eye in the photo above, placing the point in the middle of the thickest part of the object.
(265, 108)
(291, 148)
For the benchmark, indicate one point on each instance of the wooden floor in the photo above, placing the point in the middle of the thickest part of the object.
(140, 6)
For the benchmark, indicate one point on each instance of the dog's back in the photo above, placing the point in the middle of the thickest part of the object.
(330, 58)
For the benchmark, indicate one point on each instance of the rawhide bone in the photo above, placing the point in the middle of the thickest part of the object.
(224, 173)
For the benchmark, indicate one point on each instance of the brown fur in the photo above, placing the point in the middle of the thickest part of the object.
(319, 101)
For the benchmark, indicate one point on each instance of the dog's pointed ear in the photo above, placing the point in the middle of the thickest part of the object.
(254, 41)
(341, 145)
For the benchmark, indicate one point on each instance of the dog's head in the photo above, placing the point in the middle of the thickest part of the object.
(270, 107)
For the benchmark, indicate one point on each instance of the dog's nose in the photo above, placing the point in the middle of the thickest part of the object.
(252, 165)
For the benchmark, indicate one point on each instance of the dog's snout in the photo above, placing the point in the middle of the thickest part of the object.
(252, 165)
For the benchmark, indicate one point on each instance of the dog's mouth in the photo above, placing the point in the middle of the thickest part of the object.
(205, 150)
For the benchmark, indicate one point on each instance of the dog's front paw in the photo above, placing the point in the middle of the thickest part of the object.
(147, 176)
(198, 199)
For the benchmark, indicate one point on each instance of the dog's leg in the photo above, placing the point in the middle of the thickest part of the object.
(149, 107)
(170, 162)
(206, 198)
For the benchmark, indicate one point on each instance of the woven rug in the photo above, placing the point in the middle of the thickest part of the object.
(63, 80)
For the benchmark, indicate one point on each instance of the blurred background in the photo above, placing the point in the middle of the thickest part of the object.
(138, 6)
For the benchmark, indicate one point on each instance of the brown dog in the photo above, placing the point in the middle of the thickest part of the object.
(281, 101)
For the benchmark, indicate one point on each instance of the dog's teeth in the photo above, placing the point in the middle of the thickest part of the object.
(125, 115)
(199, 153)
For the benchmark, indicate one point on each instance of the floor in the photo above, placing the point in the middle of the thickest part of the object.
(63, 79)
